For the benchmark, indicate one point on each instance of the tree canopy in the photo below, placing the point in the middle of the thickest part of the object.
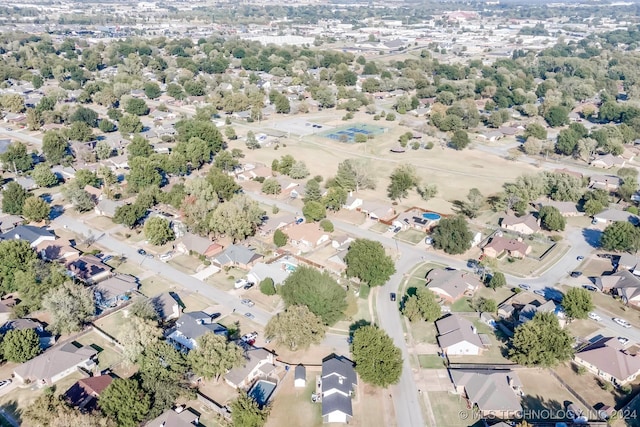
(20, 345)
(296, 327)
(423, 305)
(577, 303)
(621, 236)
(378, 361)
(70, 306)
(214, 356)
(125, 402)
(367, 260)
(452, 235)
(541, 342)
(245, 412)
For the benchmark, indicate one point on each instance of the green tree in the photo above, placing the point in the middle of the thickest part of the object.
(20, 345)
(460, 140)
(367, 260)
(84, 115)
(285, 164)
(245, 412)
(497, 281)
(326, 226)
(225, 161)
(267, 286)
(205, 130)
(621, 236)
(139, 147)
(230, 133)
(403, 178)
(486, 305)
(16, 158)
(222, 184)
(16, 256)
(125, 402)
(280, 238)
(318, 291)
(70, 306)
(43, 176)
(592, 207)
(86, 177)
(551, 218)
(577, 303)
(128, 124)
(378, 361)
(103, 150)
(541, 342)
(271, 186)
(282, 105)
(557, 116)
(567, 142)
(137, 334)
(452, 235)
(251, 141)
(314, 211)
(422, 305)
(143, 173)
(79, 131)
(106, 126)
(238, 218)
(535, 130)
(158, 231)
(214, 356)
(13, 197)
(335, 198)
(129, 214)
(355, 174)
(79, 198)
(35, 209)
(312, 192)
(137, 107)
(298, 170)
(152, 90)
(296, 327)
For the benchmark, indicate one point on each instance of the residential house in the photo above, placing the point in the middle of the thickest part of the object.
(506, 311)
(494, 392)
(55, 364)
(26, 182)
(413, 219)
(607, 359)
(84, 393)
(306, 236)
(566, 209)
(451, 285)
(117, 162)
(239, 256)
(607, 161)
(112, 291)
(82, 150)
(341, 241)
(259, 362)
(106, 207)
(191, 326)
(491, 135)
(352, 203)
(499, 246)
(336, 262)
(9, 222)
(95, 193)
(45, 337)
(33, 235)
(630, 263)
(64, 173)
(527, 224)
(528, 311)
(272, 223)
(338, 383)
(57, 250)
(458, 337)
(378, 211)
(608, 183)
(609, 216)
(6, 309)
(278, 270)
(89, 269)
(300, 376)
(623, 284)
(178, 417)
(192, 243)
(166, 307)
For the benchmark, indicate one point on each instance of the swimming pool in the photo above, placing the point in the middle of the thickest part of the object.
(432, 216)
(262, 391)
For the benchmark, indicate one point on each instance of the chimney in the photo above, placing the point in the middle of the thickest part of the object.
(17, 236)
(474, 330)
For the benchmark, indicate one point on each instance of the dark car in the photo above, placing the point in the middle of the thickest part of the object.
(142, 252)
(248, 285)
(392, 296)
(576, 273)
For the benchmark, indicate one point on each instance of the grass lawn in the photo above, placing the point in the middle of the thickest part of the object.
(108, 355)
(588, 385)
(101, 223)
(112, 324)
(194, 302)
(293, 407)
(424, 332)
(268, 302)
(542, 391)
(369, 407)
(462, 306)
(225, 279)
(446, 409)
(538, 248)
(156, 285)
(127, 267)
(528, 266)
(379, 227)
(499, 295)
(411, 235)
(593, 267)
(185, 263)
(431, 361)
(583, 327)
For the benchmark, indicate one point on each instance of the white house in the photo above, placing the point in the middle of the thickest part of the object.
(338, 382)
(458, 337)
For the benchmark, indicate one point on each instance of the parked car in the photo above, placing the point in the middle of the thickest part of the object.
(107, 258)
(299, 220)
(590, 288)
(576, 273)
(622, 322)
(539, 292)
(623, 340)
(392, 296)
(142, 252)
(249, 285)
(580, 258)
(4, 383)
(240, 283)
(249, 337)
(165, 256)
(594, 316)
(248, 302)
(249, 316)
(524, 286)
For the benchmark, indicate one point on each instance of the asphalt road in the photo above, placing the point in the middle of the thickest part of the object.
(20, 136)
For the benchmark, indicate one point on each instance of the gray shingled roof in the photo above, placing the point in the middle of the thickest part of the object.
(489, 389)
(28, 233)
(191, 325)
(607, 356)
(253, 356)
(300, 372)
(454, 329)
(54, 362)
(237, 254)
(336, 402)
(164, 304)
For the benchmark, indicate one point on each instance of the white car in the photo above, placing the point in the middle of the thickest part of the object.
(594, 316)
(240, 283)
(622, 322)
(249, 337)
(623, 340)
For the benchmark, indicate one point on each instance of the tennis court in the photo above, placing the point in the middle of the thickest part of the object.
(348, 133)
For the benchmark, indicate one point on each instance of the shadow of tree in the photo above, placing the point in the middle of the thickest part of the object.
(357, 325)
(11, 408)
(592, 237)
(539, 408)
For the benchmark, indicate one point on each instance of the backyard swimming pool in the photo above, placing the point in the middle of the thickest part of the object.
(432, 216)
(262, 391)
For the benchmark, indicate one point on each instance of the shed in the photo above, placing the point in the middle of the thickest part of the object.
(300, 377)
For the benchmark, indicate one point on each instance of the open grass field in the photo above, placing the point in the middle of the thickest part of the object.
(424, 332)
(453, 172)
(293, 407)
(411, 236)
(156, 285)
(543, 391)
(431, 361)
(446, 409)
(185, 263)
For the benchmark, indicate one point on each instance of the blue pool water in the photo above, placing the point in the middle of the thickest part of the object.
(431, 216)
(262, 391)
